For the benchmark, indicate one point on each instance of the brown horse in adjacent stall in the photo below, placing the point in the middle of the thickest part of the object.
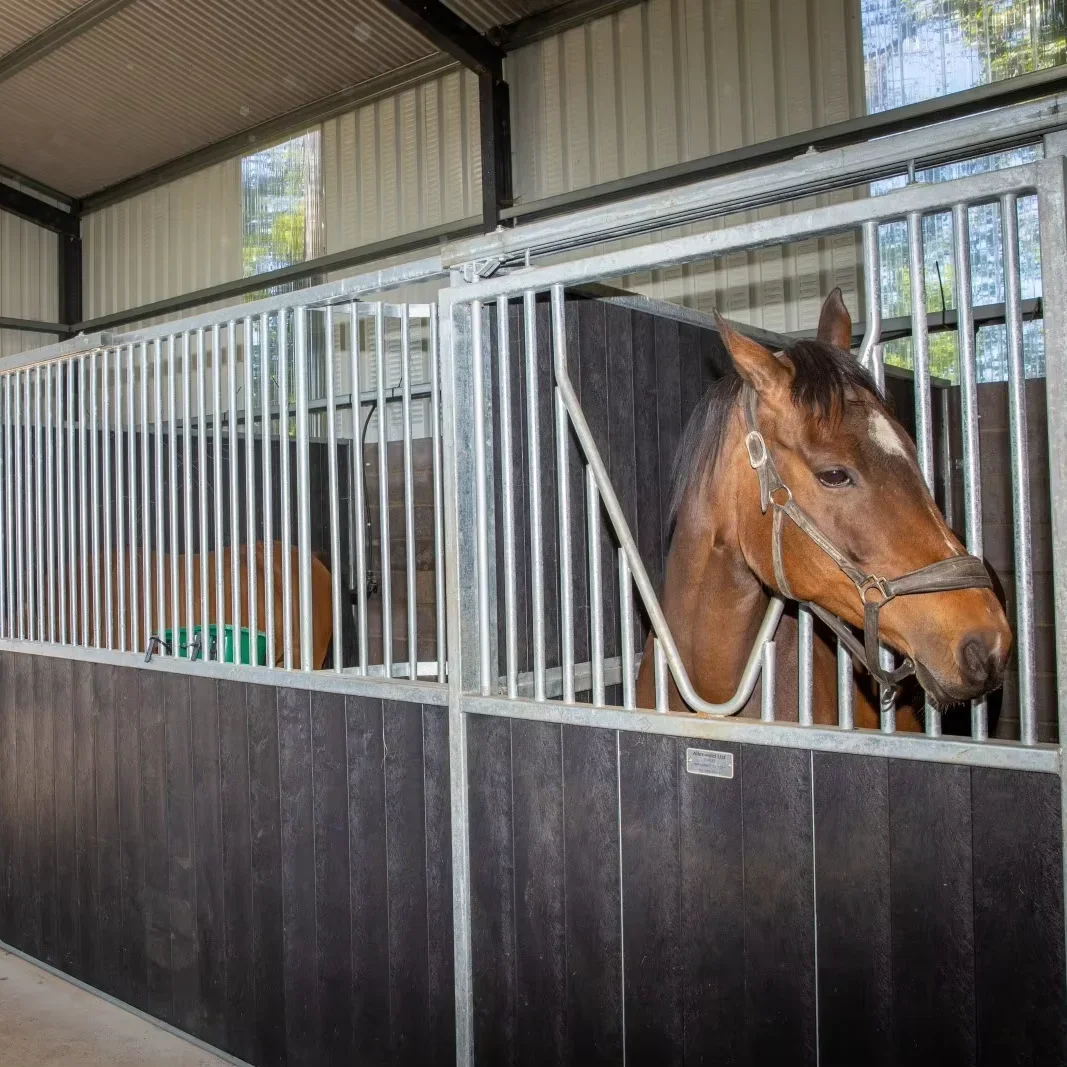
(851, 468)
(321, 613)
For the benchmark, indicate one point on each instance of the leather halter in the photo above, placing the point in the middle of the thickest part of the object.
(956, 572)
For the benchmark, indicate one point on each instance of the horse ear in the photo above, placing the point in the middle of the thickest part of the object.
(756, 364)
(835, 323)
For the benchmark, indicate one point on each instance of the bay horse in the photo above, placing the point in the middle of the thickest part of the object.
(835, 499)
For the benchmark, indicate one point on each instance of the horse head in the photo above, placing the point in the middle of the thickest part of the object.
(832, 509)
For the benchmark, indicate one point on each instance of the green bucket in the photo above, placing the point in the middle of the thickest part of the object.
(227, 644)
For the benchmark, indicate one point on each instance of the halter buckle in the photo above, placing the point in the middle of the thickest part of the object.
(872, 581)
(757, 449)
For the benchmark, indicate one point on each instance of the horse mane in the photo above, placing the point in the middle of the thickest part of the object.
(824, 377)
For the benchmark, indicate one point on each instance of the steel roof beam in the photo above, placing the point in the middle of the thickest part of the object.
(450, 33)
(16, 202)
(79, 21)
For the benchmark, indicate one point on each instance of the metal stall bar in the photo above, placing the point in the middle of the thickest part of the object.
(201, 485)
(1020, 474)
(806, 667)
(131, 431)
(533, 451)
(235, 517)
(383, 495)
(303, 489)
(872, 357)
(120, 536)
(626, 617)
(216, 527)
(146, 522)
(105, 447)
(286, 508)
(359, 506)
(157, 385)
(172, 493)
(334, 491)
(11, 536)
(972, 475)
(61, 507)
(50, 502)
(566, 613)
(83, 496)
(5, 548)
(250, 486)
(438, 499)
(37, 566)
(507, 492)
(924, 423)
(409, 487)
(31, 569)
(94, 492)
(596, 602)
(72, 500)
(250, 483)
(187, 492)
(19, 528)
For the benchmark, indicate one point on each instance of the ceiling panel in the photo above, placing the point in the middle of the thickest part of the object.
(22, 19)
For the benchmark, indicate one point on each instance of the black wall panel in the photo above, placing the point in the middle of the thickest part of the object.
(267, 869)
(812, 908)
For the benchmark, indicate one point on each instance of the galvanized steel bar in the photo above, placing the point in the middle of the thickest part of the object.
(20, 571)
(50, 503)
(201, 485)
(107, 546)
(511, 638)
(626, 621)
(563, 492)
(120, 535)
(37, 566)
(8, 563)
(250, 483)
(805, 667)
(383, 494)
(94, 493)
(72, 500)
(533, 452)
(216, 521)
(187, 492)
(1020, 473)
(359, 506)
(334, 490)
(286, 508)
(303, 490)
(131, 430)
(972, 474)
(438, 499)
(846, 716)
(409, 491)
(596, 586)
(146, 512)
(83, 498)
(661, 679)
(920, 350)
(235, 515)
(767, 683)
(61, 507)
(5, 549)
(250, 486)
(172, 434)
(157, 386)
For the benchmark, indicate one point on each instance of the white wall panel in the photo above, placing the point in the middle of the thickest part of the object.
(669, 81)
(28, 281)
(403, 163)
(181, 237)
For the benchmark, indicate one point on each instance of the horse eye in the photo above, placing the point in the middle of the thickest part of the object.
(835, 478)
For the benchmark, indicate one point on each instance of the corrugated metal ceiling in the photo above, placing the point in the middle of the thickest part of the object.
(161, 79)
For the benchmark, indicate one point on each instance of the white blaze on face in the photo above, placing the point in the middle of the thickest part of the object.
(885, 436)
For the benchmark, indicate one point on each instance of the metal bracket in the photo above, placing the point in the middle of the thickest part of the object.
(481, 268)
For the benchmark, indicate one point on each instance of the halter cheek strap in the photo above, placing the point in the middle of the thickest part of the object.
(956, 572)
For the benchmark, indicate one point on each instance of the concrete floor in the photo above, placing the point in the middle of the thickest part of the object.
(47, 1022)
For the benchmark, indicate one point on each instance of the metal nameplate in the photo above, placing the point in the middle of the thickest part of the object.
(707, 761)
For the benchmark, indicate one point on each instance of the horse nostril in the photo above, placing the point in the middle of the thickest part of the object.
(979, 657)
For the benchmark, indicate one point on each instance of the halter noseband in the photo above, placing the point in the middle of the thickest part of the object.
(957, 572)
